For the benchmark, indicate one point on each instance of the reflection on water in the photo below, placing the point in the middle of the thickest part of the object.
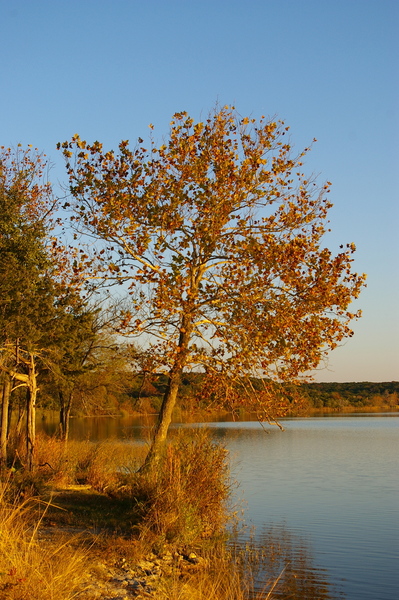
(102, 428)
(276, 554)
(334, 481)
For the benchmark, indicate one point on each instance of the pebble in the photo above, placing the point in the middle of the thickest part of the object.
(122, 581)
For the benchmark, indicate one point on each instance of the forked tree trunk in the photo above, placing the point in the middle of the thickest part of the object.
(28, 380)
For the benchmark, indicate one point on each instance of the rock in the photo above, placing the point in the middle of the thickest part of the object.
(124, 581)
(146, 565)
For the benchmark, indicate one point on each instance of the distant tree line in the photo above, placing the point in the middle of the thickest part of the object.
(357, 394)
(112, 390)
(195, 396)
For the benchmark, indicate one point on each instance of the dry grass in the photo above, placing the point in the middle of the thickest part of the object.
(30, 570)
(182, 505)
(110, 459)
(67, 463)
(184, 500)
(222, 578)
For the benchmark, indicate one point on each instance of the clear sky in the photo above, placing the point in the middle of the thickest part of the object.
(328, 68)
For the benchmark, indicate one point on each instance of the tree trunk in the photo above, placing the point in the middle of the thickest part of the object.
(31, 414)
(30, 429)
(65, 413)
(20, 420)
(4, 425)
(170, 397)
(164, 420)
(10, 407)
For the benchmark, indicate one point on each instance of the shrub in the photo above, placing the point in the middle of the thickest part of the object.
(184, 499)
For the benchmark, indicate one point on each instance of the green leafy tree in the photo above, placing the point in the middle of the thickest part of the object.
(25, 204)
(218, 235)
(85, 359)
(35, 294)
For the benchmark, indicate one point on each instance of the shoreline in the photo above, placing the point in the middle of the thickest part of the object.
(215, 416)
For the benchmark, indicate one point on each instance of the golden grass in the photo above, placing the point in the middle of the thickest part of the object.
(29, 568)
(184, 500)
(66, 463)
(221, 579)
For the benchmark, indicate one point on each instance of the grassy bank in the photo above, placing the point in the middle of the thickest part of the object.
(86, 505)
(27, 570)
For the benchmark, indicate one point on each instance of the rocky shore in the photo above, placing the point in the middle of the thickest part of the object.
(123, 580)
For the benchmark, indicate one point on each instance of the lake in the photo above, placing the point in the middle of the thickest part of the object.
(323, 496)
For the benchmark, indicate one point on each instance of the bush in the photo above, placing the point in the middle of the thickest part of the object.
(184, 500)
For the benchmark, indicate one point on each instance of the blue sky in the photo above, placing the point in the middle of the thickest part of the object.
(328, 68)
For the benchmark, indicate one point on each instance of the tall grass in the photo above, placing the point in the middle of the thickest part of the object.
(68, 463)
(29, 569)
(222, 576)
(182, 501)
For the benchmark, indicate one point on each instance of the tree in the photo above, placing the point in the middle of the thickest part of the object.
(86, 357)
(25, 205)
(71, 359)
(35, 295)
(218, 235)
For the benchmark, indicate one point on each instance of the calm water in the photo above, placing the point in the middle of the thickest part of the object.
(323, 496)
(330, 486)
